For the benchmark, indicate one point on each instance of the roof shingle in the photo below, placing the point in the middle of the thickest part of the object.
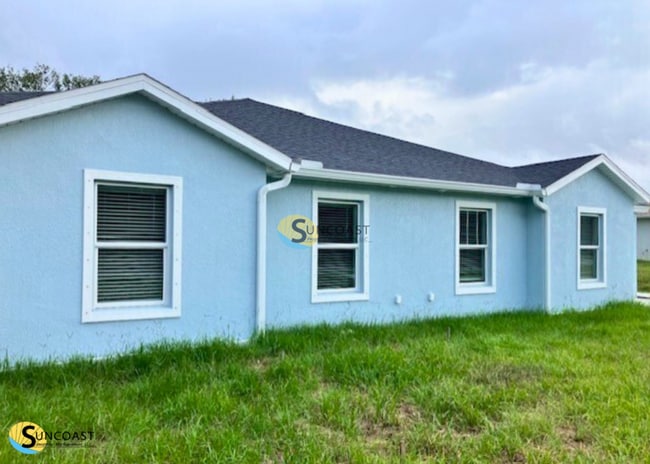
(547, 173)
(346, 148)
(12, 97)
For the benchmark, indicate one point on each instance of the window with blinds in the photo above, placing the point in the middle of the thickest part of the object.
(132, 246)
(473, 245)
(340, 257)
(589, 246)
(338, 245)
(131, 241)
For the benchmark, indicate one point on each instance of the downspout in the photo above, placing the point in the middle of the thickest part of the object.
(260, 303)
(547, 250)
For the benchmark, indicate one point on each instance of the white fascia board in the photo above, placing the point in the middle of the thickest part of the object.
(62, 101)
(334, 175)
(156, 91)
(612, 171)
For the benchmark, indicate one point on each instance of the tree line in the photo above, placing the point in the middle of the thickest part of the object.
(41, 78)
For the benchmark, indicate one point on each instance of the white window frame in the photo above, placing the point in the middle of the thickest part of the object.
(362, 290)
(490, 284)
(601, 264)
(170, 306)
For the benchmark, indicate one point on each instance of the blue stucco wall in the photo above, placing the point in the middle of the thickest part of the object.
(41, 229)
(412, 252)
(593, 189)
(535, 257)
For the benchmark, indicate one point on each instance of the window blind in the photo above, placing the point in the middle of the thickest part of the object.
(589, 246)
(589, 264)
(136, 217)
(337, 223)
(126, 275)
(131, 214)
(338, 237)
(336, 269)
(473, 227)
(472, 265)
(473, 245)
(589, 230)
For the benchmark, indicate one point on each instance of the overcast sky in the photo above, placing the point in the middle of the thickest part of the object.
(508, 81)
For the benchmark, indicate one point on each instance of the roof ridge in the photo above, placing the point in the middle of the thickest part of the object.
(222, 100)
(9, 92)
(562, 160)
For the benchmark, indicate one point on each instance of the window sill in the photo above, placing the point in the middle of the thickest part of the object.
(590, 285)
(474, 289)
(130, 313)
(333, 297)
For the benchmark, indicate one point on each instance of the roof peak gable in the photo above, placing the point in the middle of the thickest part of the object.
(143, 84)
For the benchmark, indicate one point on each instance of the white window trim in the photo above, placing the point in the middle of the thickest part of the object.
(125, 311)
(601, 280)
(362, 291)
(474, 288)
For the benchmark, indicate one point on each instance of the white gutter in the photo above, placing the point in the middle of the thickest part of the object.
(260, 302)
(411, 182)
(641, 209)
(547, 251)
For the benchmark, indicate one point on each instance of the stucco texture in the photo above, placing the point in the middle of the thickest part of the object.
(41, 233)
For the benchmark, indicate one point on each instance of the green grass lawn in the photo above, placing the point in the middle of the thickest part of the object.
(643, 276)
(502, 388)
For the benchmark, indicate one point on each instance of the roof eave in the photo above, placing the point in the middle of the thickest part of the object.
(616, 174)
(335, 175)
(143, 84)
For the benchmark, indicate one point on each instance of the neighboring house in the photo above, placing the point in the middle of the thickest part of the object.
(643, 236)
(133, 215)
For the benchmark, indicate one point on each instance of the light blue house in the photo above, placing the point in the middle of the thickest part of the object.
(132, 214)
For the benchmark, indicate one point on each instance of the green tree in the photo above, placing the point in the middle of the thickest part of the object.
(41, 78)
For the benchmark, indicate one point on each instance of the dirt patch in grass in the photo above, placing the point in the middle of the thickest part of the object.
(507, 375)
(508, 457)
(406, 415)
(574, 441)
(261, 365)
(389, 437)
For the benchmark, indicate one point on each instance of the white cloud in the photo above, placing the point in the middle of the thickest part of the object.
(513, 82)
(549, 113)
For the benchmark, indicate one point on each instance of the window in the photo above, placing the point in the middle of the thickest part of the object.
(475, 251)
(132, 246)
(340, 255)
(591, 248)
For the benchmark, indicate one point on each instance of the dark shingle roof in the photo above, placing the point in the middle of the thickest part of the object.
(346, 148)
(349, 149)
(12, 97)
(547, 173)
